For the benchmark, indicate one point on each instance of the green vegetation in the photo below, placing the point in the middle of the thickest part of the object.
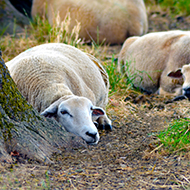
(177, 136)
(121, 80)
(175, 7)
(116, 79)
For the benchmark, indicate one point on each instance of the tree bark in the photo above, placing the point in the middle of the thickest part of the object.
(23, 133)
(12, 21)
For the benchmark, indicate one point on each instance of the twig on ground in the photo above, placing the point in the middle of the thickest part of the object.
(156, 148)
(72, 184)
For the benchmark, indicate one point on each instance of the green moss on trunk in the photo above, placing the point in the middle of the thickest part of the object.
(12, 103)
(11, 100)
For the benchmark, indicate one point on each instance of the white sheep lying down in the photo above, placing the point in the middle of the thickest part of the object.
(113, 20)
(63, 82)
(159, 57)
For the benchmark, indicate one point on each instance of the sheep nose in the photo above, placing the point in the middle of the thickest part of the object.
(93, 135)
(187, 92)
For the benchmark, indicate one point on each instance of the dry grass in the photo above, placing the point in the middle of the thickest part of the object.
(40, 32)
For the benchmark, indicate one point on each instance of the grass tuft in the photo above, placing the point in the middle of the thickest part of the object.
(120, 80)
(116, 78)
(177, 136)
(59, 32)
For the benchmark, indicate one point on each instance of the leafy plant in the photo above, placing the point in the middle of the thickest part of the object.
(176, 136)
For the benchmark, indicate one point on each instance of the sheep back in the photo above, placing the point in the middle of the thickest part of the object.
(113, 20)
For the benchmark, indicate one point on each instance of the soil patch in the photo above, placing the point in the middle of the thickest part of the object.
(125, 158)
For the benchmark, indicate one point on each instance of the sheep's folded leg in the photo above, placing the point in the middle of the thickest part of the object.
(104, 123)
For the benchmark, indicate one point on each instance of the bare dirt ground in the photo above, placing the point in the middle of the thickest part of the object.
(125, 158)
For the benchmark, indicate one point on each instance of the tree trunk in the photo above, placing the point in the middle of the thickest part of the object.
(23, 133)
(12, 21)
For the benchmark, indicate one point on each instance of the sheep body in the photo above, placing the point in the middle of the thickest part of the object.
(156, 55)
(113, 20)
(52, 74)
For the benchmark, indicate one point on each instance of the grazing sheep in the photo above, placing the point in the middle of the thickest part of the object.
(113, 20)
(63, 82)
(156, 58)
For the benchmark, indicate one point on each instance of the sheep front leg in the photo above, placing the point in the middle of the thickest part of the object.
(104, 123)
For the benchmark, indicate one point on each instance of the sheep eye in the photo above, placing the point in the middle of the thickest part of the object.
(64, 112)
(91, 108)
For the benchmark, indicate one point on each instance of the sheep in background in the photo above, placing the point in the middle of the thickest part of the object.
(182, 73)
(156, 58)
(113, 20)
(63, 82)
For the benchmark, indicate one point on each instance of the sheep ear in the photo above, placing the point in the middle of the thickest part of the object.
(175, 74)
(51, 111)
(98, 111)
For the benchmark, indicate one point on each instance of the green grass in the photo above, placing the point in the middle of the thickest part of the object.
(120, 80)
(175, 7)
(115, 77)
(124, 78)
(177, 136)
